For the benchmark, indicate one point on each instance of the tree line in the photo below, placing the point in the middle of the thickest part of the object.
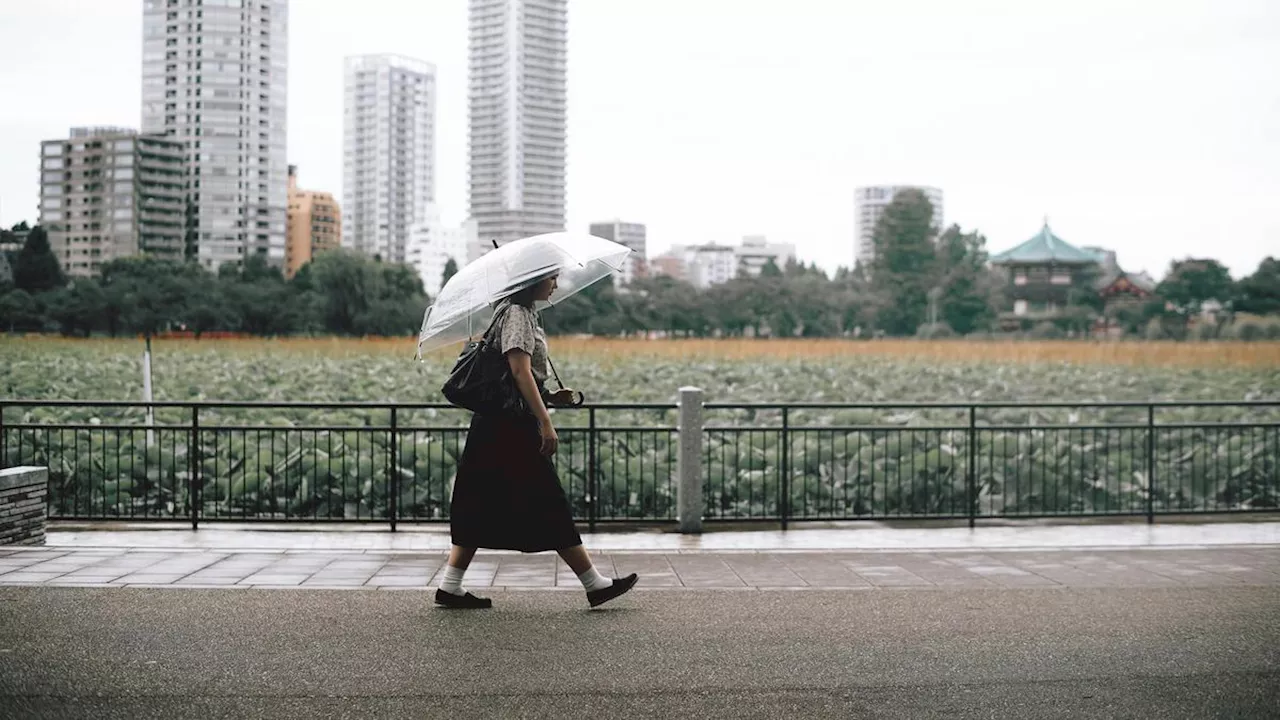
(921, 283)
(338, 293)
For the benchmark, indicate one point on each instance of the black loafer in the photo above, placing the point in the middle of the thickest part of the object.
(619, 586)
(466, 602)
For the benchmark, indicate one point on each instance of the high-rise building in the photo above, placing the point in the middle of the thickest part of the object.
(432, 244)
(869, 205)
(314, 225)
(214, 77)
(633, 236)
(388, 166)
(109, 192)
(518, 117)
(756, 251)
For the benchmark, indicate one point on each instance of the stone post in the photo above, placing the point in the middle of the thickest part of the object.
(689, 501)
(23, 506)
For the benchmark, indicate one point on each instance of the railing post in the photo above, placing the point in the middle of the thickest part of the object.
(1151, 463)
(689, 498)
(971, 476)
(193, 490)
(784, 503)
(4, 445)
(393, 469)
(592, 484)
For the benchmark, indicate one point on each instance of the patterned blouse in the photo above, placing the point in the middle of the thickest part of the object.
(521, 330)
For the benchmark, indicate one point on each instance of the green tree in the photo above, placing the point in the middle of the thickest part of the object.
(1190, 283)
(969, 291)
(36, 269)
(20, 312)
(144, 294)
(904, 267)
(450, 269)
(1260, 292)
(77, 309)
(206, 307)
(360, 296)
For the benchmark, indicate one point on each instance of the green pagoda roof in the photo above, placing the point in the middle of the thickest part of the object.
(1045, 247)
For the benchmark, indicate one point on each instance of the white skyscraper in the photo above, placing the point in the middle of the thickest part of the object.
(869, 205)
(389, 152)
(214, 76)
(518, 117)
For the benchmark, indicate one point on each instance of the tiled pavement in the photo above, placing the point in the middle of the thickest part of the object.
(718, 569)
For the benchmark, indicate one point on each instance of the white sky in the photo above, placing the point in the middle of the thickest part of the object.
(1149, 127)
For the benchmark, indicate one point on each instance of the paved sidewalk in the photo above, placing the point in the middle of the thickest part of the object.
(759, 570)
(862, 535)
(1152, 652)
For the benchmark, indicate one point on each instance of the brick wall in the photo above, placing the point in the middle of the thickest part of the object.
(23, 505)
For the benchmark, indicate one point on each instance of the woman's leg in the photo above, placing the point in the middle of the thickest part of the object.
(579, 562)
(459, 559)
(576, 558)
(600, 589)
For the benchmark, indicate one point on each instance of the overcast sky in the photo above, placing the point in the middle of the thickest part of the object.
(1152, 128)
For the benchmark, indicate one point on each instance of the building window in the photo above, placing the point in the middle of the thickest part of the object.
(1020, 277)
(1019, 307)
(1060, 277)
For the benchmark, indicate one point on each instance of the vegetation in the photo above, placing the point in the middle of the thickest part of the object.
(920, 285)
(865, 462)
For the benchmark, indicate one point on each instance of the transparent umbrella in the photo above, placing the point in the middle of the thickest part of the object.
(465, 303)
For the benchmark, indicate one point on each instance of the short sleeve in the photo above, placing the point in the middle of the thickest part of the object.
(519, 330)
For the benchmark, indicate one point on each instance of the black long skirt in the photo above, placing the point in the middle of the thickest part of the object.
(507, 495)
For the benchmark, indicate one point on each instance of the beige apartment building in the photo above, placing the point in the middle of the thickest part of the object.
(314, 225)
(108, 192)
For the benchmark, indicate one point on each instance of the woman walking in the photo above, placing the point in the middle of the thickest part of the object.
(507, 495)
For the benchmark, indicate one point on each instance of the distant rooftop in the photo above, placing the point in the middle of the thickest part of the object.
(1045, 247)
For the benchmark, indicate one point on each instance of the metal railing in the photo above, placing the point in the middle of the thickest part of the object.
(775, 462)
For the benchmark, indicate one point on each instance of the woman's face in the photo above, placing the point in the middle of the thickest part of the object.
(545, 288)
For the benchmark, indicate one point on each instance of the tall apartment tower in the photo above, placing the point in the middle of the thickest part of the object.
(214, 76)
(869, 205)
(388, 166)
(518, 117)
(633, 235)
(108, 193)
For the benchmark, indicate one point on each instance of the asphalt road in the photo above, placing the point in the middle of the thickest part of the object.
(1044, 653)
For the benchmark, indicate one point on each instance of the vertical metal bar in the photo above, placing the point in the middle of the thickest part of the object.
(1151, 464)
(592, 509)
(393, 459)
(4, 445)
(193, 488)
(971, 498)
(785, 484)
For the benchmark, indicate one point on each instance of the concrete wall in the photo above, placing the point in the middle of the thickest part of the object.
(23, 505)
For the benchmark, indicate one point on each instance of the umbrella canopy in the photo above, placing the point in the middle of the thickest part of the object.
(465, 304)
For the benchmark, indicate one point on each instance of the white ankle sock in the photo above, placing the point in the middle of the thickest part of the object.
(593, 580)
(452, 582)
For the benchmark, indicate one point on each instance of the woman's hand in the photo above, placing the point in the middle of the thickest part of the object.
(563, 396)
(550, 440)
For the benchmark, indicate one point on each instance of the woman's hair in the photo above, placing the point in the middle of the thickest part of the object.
(524, 296)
